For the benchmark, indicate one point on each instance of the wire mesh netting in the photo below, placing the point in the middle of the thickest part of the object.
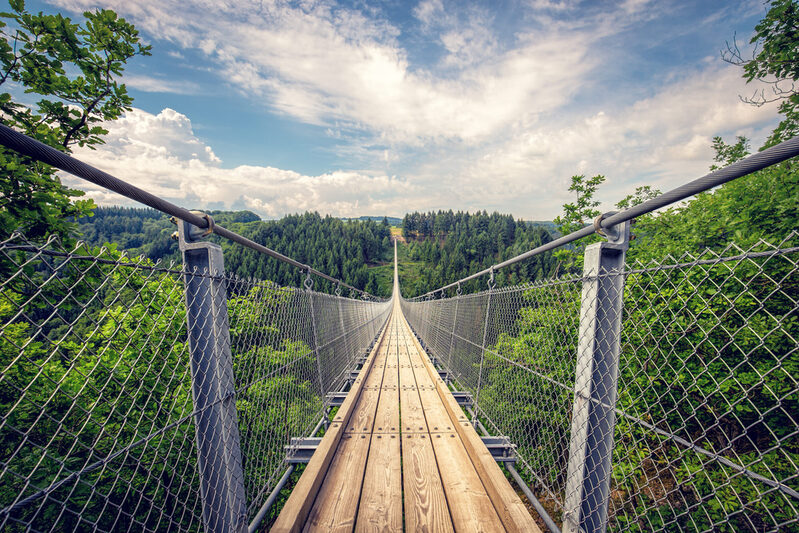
(98, 419)
(707, 413)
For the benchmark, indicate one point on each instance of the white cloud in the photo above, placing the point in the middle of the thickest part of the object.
(323, 64)
(491, 123)
(158, 85)
(663, 140)
(160, 154)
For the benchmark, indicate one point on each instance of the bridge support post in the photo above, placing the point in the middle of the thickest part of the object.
(593, 416)
(213, 384)
(454, 323)
(491, 284)
(309, 291)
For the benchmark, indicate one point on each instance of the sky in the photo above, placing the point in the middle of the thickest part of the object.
(387, 107)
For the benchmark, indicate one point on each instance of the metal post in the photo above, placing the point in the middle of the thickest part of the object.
(350, 357)
(454, 322)
(491, 284)
(308, 286)
(213, 383)
(595, 387)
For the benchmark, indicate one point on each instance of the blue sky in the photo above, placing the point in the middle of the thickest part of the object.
(384, 107)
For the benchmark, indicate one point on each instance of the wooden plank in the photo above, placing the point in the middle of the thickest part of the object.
(469, 504)
(419, 370)
(425, 504)
(300, 501)
(412, 418)
(336, 504)
(387, 418)
(435, 413)
(363, 417)
(381, 496)
(406, 375)
(511, 510)
(375, 377)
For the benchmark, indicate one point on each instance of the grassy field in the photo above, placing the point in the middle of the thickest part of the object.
(409, 271)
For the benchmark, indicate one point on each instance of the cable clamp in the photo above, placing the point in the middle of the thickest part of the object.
(598, 223)
(210, 229)
(491, 281)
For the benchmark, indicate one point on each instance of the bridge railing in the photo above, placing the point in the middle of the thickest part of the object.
(706, 430)
(642, 397)
(99, 396)
(141, 396)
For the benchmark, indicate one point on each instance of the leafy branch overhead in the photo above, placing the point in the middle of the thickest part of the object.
(74, 69)
(774, 62)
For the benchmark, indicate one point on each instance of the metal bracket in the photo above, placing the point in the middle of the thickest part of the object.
(618, 236)
(301, 449)
(335, 399)
(463, 398)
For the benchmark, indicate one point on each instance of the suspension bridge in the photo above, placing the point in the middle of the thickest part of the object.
(401, 432)
(644, 397)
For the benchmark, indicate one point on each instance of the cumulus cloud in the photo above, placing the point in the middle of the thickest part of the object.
(663, 140)
(324, 64)
(492, 122)
(161, 154)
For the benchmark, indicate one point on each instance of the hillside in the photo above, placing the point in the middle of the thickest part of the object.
(445, 246)
(348, 250)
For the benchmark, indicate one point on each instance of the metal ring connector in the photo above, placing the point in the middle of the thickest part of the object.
(459, 291)
(210, 229)
(308, 283)
(598, 224)
(338, 289)
(491, 281)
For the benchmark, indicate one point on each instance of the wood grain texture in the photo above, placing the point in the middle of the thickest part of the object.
(381, 496)
(438, 419)
(412, 419)
(375, 377)
(420, 371)
(363, 416)
(508, 505)
(469, 504)
(387, 418)
(295, 512)
(336, 505)
(426, 506)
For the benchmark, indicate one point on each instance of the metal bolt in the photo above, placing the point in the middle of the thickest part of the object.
(175, 236)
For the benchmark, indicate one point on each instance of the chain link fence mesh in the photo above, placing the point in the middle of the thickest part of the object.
(97, 430)
(707, 413)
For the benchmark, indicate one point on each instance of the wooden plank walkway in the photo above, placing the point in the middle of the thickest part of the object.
(401, 456)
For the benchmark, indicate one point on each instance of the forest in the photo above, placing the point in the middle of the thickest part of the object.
(95, 389)
(445, 246)
(344, 249)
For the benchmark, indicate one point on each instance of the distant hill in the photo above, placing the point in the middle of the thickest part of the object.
(547, 224)
(444, 246)
(394, 221)
(348, 250)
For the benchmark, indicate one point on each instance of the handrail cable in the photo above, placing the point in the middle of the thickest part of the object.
(769, 156)
(39, 151)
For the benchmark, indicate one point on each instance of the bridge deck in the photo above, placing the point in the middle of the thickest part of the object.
(401, 455)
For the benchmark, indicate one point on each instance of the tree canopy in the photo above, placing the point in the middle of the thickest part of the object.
(74, 70)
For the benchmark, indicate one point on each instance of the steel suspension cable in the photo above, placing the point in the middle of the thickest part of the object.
(39, 151)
